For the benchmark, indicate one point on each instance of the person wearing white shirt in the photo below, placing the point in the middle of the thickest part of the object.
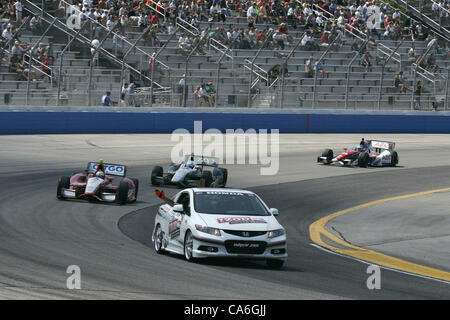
(94, 45)
(251, 12)
(7, 34)
(319, 21)
(305, 40)
(19, 7)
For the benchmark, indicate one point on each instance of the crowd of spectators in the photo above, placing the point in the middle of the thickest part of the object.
(263, 24)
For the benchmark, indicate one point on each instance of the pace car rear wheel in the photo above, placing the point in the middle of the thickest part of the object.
(156, 176)
(122, 192)
(188, 246)
(363, 159)
(63, 183)
(158, 239)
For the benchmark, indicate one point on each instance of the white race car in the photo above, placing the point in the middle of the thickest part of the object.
(213, 222)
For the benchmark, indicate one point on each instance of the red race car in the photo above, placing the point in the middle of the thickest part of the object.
(368, 153)
(99, 185)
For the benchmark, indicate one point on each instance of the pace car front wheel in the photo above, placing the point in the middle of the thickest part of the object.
(274, 264)
(158, 239)
(188, 246)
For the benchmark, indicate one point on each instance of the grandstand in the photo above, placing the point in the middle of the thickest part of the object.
(147, 46)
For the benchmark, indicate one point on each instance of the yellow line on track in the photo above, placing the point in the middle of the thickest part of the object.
(317, 230)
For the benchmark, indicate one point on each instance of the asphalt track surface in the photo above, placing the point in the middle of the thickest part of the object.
(41, 236)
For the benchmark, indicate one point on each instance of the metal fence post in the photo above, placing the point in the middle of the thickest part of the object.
(154, 64)
(415, 74)
(285, 63)
(123, 66)
(347, 86)
(315, 71)
(218, 77)
(185, 71)
(31, 58)
(61, 58)
(447, 89)
(249, 97)
(382, 73)
(92, 63)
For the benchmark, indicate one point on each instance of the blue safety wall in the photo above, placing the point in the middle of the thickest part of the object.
(139, 122)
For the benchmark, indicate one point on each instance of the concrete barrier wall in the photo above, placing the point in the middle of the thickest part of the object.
(166, 122)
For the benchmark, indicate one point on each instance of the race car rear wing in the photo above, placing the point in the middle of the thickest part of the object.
(203, 161)
(110, 169)
(385, 145)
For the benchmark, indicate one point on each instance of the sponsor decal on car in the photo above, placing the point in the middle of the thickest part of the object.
(112, 169)
(237, 220)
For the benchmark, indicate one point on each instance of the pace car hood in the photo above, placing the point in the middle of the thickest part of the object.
(237, 222)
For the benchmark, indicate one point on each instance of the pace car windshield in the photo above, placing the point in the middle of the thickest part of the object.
(229, 203)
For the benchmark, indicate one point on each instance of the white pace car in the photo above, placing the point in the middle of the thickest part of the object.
(210, 222)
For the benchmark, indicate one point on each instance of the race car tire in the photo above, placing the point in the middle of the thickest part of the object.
(394, 159)
(158, 240)
(363, 160)
(328, 153)
(274, 264)
(225, 176)
(188, 247)
(222, 174)
(208, 178)
(63, 183)
(136, 188)
(122, 192)
(157, 171)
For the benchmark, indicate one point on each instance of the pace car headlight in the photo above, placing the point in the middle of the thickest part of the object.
(276, 233)
(213, 231)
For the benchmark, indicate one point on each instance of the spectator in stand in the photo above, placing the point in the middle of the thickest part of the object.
(35, 24)
(107, 101)
(94, 45)
(417, 93)
(19, 8)
(211, 93)
(365, 61)
(203, 96)
(399, 83)
(15, 50)
(411, 55)
(431, 63)
(309, 67)
(318, 67)
(129, 95)
(273, 73)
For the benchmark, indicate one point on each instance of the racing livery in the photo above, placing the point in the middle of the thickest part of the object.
(368, 153)
(191, 173)
(215, 222)
(98, 183)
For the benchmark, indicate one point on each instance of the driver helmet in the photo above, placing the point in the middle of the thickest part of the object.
(100, 175)
(361, 147)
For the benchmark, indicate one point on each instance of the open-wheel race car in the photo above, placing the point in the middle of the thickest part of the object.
(191, 173)
(98, 183)
(368, 153)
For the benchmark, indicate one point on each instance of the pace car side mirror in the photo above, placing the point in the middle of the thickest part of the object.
(178, 208)
(273, 211)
